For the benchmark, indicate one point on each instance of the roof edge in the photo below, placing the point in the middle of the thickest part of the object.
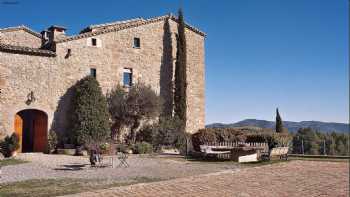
(191, 27)
(21, 27)
(115, 23)
(26, 50)
(135, 24)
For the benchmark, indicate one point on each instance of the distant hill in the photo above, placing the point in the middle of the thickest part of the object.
(292, 126)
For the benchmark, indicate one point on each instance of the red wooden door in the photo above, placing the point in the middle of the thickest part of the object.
(40, 132)
(19, 130)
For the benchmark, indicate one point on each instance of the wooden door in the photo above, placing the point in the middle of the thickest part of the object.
(19, 130)
(40, 132)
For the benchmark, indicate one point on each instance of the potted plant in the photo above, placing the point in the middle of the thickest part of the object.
(10, 145)
(105, 148)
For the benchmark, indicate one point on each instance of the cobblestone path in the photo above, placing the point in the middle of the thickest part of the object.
(295, 178)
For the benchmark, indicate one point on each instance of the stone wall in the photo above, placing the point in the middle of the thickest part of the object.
(23, 74)
(51, 78)
(20, 38)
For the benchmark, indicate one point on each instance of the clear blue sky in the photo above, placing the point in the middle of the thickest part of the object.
(259, 54)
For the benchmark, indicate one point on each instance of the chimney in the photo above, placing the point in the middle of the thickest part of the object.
(44, 38)
(50, 35)
(56, 32)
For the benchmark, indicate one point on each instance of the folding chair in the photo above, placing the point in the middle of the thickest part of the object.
(122, 158)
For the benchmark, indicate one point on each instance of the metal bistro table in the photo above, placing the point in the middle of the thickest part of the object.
(239, 150)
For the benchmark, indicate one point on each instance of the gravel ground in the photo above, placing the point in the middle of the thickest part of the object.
(43, 166)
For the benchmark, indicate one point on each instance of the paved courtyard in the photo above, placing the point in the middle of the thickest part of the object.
(295, 178)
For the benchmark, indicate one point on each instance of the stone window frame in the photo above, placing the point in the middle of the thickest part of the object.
(137, 43)
(129, 71)
(89, 42)
(93, 72)
(94, 42)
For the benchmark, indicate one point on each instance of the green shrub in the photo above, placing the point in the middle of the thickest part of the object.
(107, 148)
(129, 109)
(9, 145)
(52, 141)
(146, 134)
(122, 148)
(216, 135)
(89, 116)
(239, 134)
(167, 132)
(272, 138)
(143, 148)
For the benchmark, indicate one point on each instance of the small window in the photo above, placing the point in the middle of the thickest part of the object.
(69, 53)
(93, 72)
(93, 41)
(127, 77)
(137, 43)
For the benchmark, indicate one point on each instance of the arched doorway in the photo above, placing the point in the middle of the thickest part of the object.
(31, 127)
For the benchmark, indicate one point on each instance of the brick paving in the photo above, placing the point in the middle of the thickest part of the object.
(295, 178)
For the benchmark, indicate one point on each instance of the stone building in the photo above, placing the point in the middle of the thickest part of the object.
(37, 71)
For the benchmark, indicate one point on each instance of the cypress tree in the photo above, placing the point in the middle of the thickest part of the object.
(180, 72)
(90, 113)
(279, 124)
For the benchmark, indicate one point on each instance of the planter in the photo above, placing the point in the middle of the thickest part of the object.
(81, 153)
(66, 151)
(68, 146)
(169, 150)
(2, 157)
(14, 154)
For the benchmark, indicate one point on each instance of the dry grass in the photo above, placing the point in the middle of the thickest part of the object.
(7, 162)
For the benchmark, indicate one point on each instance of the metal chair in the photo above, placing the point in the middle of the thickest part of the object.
(123, 159)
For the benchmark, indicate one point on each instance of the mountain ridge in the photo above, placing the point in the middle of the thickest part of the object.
(292, 126)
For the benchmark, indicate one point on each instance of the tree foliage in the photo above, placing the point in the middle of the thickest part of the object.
(129, 109)
(279, 124)
(180, 72)
(167, 132)
(90, 118)
(317, 143)
(117, 106)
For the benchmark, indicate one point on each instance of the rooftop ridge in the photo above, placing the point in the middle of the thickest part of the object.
(115, 23)
(21, 27)
(128, 25)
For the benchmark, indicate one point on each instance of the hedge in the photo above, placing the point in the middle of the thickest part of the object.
(239, 134)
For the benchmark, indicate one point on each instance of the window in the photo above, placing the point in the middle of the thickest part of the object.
(93, 72)
(93, 41)
(69, 53)
(137, 43)
(127, 77)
